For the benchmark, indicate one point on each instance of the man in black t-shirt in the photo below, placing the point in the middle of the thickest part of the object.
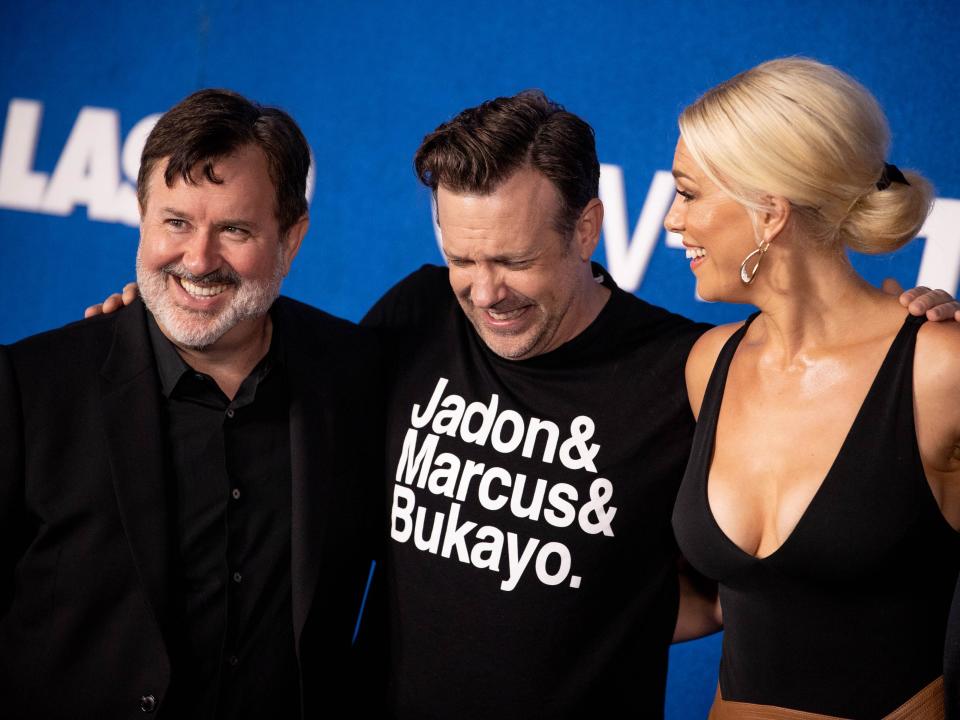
(537, 431)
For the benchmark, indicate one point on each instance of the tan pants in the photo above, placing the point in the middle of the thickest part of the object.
(925, 705)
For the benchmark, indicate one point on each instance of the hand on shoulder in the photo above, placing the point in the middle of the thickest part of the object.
(937, 305)
(114, 302)
(702, 358)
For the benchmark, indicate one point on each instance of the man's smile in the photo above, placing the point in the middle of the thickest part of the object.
(505, 315)
(198, 290)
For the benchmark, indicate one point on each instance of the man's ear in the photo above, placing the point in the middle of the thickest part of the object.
(292, 241)
(587, 232)
(773, 219)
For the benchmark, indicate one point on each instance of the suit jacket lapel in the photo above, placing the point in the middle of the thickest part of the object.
(312, 431)
(130, 392)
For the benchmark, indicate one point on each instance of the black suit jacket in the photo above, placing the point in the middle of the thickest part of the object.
(86, 618)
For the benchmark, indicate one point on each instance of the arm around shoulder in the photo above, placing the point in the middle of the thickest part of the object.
(412, 301)
(699, 613)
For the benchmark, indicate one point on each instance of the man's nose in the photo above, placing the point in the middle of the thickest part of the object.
(487, 287)
(201, 254)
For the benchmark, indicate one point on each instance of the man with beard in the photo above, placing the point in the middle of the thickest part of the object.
(537, 429)
(187, 485)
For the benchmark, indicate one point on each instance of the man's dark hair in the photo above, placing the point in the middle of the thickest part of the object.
(483, 146)
(211, 124)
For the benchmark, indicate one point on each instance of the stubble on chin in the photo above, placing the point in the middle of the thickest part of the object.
(508, 345)
(198, 329)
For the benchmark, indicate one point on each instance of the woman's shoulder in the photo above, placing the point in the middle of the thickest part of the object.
(703, 356)
(942, 335)
(936, 396)
(937, 359)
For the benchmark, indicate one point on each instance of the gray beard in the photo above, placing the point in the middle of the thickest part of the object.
(199, 330)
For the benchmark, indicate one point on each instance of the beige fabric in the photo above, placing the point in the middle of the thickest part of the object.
(925, 705)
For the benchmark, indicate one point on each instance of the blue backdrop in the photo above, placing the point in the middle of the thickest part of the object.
(81, 83)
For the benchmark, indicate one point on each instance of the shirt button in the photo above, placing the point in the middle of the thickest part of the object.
(235, 493)
(229, 412)
(148, 703)
(233, 660)
(237, 577)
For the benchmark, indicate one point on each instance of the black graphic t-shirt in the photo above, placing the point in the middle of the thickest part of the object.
(533, 567)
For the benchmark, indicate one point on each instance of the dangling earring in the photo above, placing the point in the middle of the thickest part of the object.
(747, 276)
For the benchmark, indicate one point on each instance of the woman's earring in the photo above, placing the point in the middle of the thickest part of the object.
(747, 275)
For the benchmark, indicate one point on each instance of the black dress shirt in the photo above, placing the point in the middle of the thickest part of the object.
(232, 483)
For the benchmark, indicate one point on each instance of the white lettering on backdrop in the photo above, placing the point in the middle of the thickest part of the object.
(96, 171)
(93, 169)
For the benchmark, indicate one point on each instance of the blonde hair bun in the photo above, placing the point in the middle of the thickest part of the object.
(884, 220)
(802, 130)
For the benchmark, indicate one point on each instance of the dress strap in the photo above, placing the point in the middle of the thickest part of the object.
(713, 395)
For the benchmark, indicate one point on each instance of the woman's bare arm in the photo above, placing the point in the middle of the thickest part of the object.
(699, 612)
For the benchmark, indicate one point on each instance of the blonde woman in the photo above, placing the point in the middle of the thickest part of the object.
(823, 489)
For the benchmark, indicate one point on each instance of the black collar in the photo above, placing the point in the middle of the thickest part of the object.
(171, 367)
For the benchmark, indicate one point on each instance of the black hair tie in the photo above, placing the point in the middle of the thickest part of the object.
(891, 174)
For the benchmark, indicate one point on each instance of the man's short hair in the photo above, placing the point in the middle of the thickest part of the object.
(483, 146)
(211, 124)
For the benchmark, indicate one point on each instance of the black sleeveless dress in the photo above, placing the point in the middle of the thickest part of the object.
(848, 616)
